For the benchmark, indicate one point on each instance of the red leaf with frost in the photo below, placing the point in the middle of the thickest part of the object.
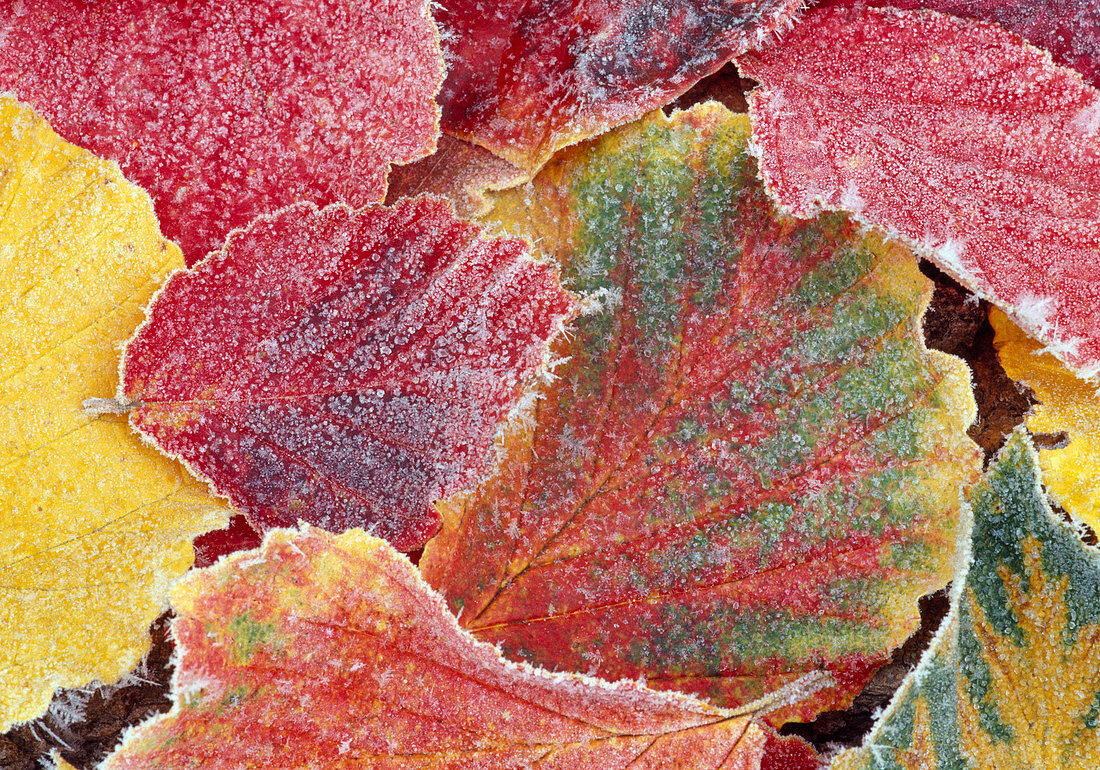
(959, 136)
(343, 367)
(527, 78)
(1069, 29)
(238, 536)
(225, 110)
(318, 651)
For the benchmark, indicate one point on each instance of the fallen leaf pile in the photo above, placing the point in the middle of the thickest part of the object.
(575, 430)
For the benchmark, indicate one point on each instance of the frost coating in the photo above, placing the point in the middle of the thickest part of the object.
(747, 466)
(1066, 404)
(225, 110)
(343, 367)
(1069, 29)
(952, 128)
(318, 650)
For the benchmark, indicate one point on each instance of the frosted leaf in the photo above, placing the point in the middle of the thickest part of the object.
(1069, 29)
(959, 136)
(343, 367)
(747, 466)
(329, 651)
(1012, 678)
(527, 78)
(94, 526)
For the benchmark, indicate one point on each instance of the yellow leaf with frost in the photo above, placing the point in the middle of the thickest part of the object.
(95, 525)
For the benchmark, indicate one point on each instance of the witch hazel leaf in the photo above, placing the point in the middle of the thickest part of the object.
(1012, 678)
(528, 78)
(225, 110)
(343, 367)
(95, 525)
(1068, 29)
(318, 650)
(458, 171)
(1067, 405)
(748, 465)
(959, 136)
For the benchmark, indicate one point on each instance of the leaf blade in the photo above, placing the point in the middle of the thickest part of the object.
(957, 135)
(685, 504)
(531, 78)
(1010, 680)
(401, 684)
(1068, 405)
(224, 111)
(350, 366)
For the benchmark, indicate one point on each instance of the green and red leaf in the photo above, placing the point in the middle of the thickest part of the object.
(957, 135)
(748, 465)
(343, 367)
(323, 651)
(528, 78)
(1012, 679)
(224, 110)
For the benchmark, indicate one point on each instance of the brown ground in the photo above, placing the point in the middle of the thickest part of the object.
(954, 324)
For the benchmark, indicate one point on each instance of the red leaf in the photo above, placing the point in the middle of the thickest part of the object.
(527, 78)
(322, 651)
(1069, 29)
(342, 367)
(226, 110)
(789, 752)
(959, 136)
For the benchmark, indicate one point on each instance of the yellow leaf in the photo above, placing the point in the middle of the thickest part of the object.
(95, 525)
(1067, 403)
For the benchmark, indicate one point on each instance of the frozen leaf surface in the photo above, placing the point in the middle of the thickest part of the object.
(1069, 29)
(1066, 404)
(528, 78)
(343, 367)
(458, 171)
(225, 110)
(94, 525)
(330, 651)
(1012, 680)
(748, 466)
(957, 135)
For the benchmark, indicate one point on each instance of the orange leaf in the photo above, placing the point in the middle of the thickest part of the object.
(330, 651)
